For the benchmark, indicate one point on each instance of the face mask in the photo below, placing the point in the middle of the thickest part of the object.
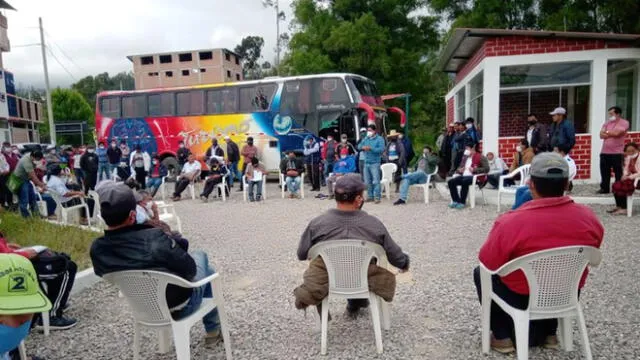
(181, 146)
(343, 156)
(101, 147)
(400, 136)
(633, 156)
(330, 139)
(16, 151)
(469, 126)
(519, 148)
(11, 337)
(155, 162)
(467, 152)
(113, 145)
(344, 141)
(90, 151)
(613, 117)
(531, 123)
(370, 133)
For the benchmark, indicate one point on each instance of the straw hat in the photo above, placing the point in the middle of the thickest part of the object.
(393, 133)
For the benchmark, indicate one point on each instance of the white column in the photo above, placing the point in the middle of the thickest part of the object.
(636, 116)
(598, 111)
(491, 106)
(467, 99)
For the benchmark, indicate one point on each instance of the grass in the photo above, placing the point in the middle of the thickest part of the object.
(68, 239)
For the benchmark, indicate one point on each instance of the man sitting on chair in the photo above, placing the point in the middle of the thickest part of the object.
(558, 222)
(472, 163)
(189, 172)
(426, 165)
(347, 221)
(292, 168)
(345, 165)
(128, 246)
(216, 173)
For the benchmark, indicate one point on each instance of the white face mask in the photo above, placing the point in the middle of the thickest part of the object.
(344, 141)
(155, 162)
(330, 139)
(370, 133)
(469, 126)
(90, 151)
(633, 156)
(613, 117)
(113, 145)
(16, 151)
(467, 152)
(519, 148)
(343, 156)
(425, 153)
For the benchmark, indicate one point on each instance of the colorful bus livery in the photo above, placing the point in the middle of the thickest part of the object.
(277, 112)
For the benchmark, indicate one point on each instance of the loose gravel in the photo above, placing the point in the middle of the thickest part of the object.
(435, 314)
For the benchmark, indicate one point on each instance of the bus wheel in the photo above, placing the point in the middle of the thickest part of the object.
(172, 166)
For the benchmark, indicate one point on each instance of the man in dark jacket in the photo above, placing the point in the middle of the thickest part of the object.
(89, 163)
(113, 154)
(182, 154)
(312, 161)
(214, 151)
(127, 246)
(409, 154)
(562, 133)
(233, 157)
(217, 170)
(292, 168)
(537, 135)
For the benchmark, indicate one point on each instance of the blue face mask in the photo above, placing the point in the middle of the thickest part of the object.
(11, 337)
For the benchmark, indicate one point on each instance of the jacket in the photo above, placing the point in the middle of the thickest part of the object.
(143, 247)
(102, 155)
(352, 150)
(214, 151)
(626, 171)
(146, 159)
(114, 155)
(527, 157)
(373, 156)
(315, 285)
(183, 155)
(427, 164)
(345, 166)
(162, 171)
(329, 150)
(539, 138)
(233, 153)
(311, 152)
(284, 164)
(248, 153)
(89, 162)
(399, 152)
(562, 135)
(479, 164)
(408, 150)
(249, 171)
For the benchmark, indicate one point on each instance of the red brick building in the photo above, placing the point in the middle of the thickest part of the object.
(501, 76)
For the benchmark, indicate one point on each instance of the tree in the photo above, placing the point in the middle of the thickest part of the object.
(69, 106)
(250, 50)
(90, 86)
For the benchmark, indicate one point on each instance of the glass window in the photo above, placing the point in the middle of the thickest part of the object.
(190, 103)
(109, 107)
(256, 98)
(296, 97)
(545, 74)
(475, 103)
(367, 91)
(161, 104)
(330, 91)
(222, 101)
(460, 101)
(134, 106)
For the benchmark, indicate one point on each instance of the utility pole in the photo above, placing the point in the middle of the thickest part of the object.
(52, 127)
(277, 34)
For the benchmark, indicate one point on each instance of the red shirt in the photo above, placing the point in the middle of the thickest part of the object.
(5, 249)
(537, 225)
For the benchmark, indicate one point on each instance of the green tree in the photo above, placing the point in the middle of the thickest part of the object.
(69, 106)
(90, 86)
(250, 49)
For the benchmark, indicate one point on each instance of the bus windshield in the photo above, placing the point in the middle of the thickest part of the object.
(365, 91)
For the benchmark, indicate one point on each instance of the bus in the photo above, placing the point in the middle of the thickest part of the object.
(279, 113)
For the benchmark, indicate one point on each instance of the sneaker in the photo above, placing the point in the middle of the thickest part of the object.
(399, 202)
(213, 338)
(204, 198)
(459, 206)
(503, 346)
(602, 192)
(453, 205)
(551, 342)
(252, 200)
(58, 323)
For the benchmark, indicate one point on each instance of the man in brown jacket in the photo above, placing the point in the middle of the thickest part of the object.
(348, 221)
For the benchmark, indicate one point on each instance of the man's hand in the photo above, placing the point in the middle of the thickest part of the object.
(366, 148)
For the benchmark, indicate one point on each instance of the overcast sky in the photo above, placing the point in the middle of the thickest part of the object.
(90, 36)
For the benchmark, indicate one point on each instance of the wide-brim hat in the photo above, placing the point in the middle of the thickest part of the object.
(393, 133)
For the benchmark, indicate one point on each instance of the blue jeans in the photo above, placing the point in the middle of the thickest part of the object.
(79, 175)
(234, 174)
(103, 168)
(258, 185)
(372, 179)
(293, 184)
(211, 321)
(418, 177)
(153, 184)
(27, 199)
(51, 204)
(328, 167)
(523, 195)
(112, 168)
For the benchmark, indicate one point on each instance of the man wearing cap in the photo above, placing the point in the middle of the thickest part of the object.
(20, 298)
(130, 246)
(562, 134)
(233, 157)
(520, 232)
(396, 154)
(372, 147)
(348, 221)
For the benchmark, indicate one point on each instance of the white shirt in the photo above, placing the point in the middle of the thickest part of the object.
(56, 184)
(257, 175)
(188, 167)
(573, 169)
(141, 215)
(467, 167)
(76, 161)
(497, 165)
(530, 135)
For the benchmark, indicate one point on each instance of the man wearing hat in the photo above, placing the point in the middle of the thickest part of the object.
(348, 221)
(20, 298)
(372, 148)
(549, 221)
(562, 134)
(130, 246)
(396, 154)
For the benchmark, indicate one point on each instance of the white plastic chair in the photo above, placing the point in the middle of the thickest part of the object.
(167, 213)
(163, 188)
(426, 185)
(22, 350)
(97, 215)
(347, 263)
(42, 205)
(145, 291)
(245, 188)
(222, 188)
(388, 170)
(283, 184)
(523, 171)
(193, 184)
(63, 213)
(553, 277)
(475, 186)
(630, 199)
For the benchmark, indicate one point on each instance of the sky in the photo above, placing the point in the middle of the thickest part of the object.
(89, 37)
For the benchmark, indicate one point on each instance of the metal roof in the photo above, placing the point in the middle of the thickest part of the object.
(5, 5)
(464, 42)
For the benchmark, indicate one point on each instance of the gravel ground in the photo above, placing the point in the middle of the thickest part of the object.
(435, 314)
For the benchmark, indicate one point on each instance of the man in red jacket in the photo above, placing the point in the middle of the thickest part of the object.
(549, 221)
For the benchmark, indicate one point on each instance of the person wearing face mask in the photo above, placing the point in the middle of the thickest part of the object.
(522, 156)
(471, 131)
(312, 161)
(408, 150)
(472, 163)
(114, 154)
(426, 165)
(395, 153)
(217, 170)
(140, 163)
(248, 152)
(345, 144)
(458, 141)
(329, 154)
(562, 134)
(346, 221)
(21, 298)
(345, 165)
(372, 147)
(182, 154)
(497, 168)
(292, 168)
(89, 164)
(157, 172)
(126, 246)
(612, 134)
(20, 183)
(625, 186)
(103, 162)
(52, 155)
(536, 135)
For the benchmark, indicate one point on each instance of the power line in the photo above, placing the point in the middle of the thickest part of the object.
(51, 40)
(59, 63)
(25, 45)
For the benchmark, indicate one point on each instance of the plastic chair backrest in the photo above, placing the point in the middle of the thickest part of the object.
(553, 275)
(524, 172)
(435, 171)
(388, 170)
(145, 292)
(347, 263)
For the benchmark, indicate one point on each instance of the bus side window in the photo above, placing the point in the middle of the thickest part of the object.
(110, 107)
(134, 106)
(230, 101)
(214, 102)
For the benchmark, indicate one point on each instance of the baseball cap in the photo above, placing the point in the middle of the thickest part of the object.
(558, 111)
(349, 184)
(363, 129)
(20, 292)
(549, 165)
(115, 199)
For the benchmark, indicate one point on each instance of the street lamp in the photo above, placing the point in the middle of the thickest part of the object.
(279, 17)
